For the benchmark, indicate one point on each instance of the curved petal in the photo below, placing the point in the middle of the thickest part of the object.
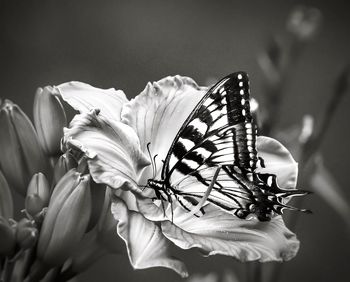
(217, 232)
(112, 148)
(277, 161)
(84, 97)
(158, 112)
(146, 245)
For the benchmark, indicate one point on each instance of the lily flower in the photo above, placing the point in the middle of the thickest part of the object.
(115, 145)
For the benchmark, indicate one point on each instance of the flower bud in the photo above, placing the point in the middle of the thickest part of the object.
(49, 120)
(6, 202)
(38, 194)
(100, 240)
(98, 192)
(7, 235)
(64, 163)
(106, 227)
(66, 219)
(26, 233)
(87, 252)
(34, 204)
(21, 154)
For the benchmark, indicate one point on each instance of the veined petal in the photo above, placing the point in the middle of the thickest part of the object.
(146, 245)
(277, 161)
(84, 97)
(217, 232)
(159, 111)
(112, 148)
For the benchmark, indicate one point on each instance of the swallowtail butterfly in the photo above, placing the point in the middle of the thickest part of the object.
(213, 158)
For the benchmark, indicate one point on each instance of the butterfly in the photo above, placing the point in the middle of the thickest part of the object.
(213, 158)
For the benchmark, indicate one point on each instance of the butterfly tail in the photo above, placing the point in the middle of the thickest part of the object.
(273, 199)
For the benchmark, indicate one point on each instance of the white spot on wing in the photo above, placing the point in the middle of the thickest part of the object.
(201, 126)
(187, 143)
(173, 160)
(192, 164)
(203, 152)
(208, 101)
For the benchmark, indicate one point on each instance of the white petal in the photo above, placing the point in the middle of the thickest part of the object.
(278, 161)
(218, 232)
(146, 245)
(84, 97)
(112, 148)
(160, 110)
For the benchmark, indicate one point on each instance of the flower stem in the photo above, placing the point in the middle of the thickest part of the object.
(65, 275)
(312, 146)
(254, 272)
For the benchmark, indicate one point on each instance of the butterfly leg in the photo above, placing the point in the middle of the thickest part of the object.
(198, 207)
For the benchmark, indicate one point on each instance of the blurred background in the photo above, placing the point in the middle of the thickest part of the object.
(125, 44)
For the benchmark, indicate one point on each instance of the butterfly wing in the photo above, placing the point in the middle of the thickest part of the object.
(220, 132)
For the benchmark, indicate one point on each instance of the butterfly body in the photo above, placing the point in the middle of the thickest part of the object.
(213, 157)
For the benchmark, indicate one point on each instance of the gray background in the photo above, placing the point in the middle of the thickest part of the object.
(125, 44)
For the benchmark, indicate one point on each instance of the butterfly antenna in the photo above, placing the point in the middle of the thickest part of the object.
(207, 193)
(150, 156)
(172, 212)
(163, 206)
(155, 165)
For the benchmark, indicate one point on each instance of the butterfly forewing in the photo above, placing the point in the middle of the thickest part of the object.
(219, 131)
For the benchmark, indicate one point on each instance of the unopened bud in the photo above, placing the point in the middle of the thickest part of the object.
(62, 166)
(7, 235)
(66, 219)
(98, 192)
(21, 154)
(34, 204)
(27, 233)
(6, 202)
(38, 194)
(49, 120)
